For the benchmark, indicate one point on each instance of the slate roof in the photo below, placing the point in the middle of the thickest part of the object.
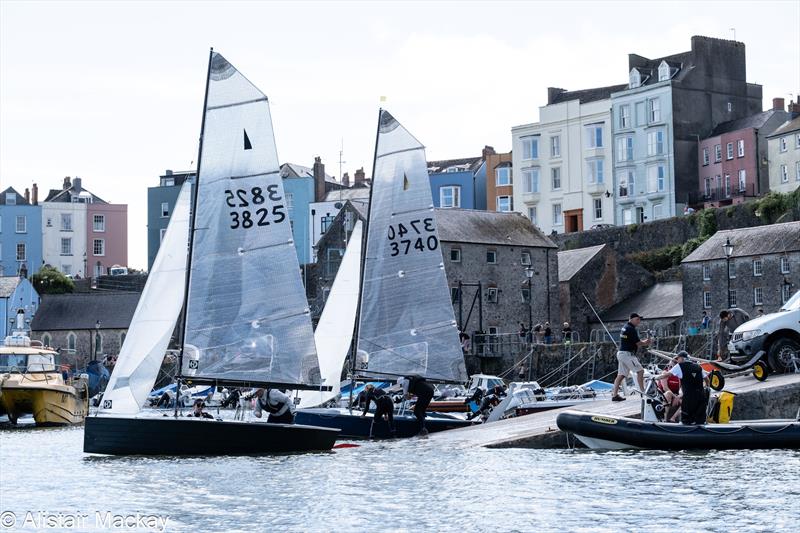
(489, 227)
(759, 240)
(587, 95)
(289, 170)
(570, 262)
(786, 127)
(352, 193)
(79, 310)
(662, 300)
(20, 198)
(753, 121)
(8, 284)
(472, 164)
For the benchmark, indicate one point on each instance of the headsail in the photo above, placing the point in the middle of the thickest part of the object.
(154, 320)
(406, 325)
(248, 318)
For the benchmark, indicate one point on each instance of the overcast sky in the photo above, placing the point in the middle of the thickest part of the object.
(112, 91)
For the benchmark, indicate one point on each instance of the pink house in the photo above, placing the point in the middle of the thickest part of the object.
(732, 161)
(106, 237)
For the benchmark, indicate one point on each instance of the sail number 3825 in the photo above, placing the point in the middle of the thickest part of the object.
(421, 236)
(255, 207)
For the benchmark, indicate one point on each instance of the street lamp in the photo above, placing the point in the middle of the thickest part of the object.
(529, 272)
(94, 341)
(728, 249)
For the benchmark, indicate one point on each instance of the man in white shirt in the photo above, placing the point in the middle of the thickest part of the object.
(694, 402)
(277, 404)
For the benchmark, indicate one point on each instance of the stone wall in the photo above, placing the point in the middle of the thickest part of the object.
(111, 342)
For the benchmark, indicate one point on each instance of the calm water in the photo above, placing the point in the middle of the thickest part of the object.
(410, 485)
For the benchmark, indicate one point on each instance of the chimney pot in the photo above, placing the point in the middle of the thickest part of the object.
(360, 178)
(35, 195)
(27, 195)
(76, 184)
(346, 179)
(777, 104)
(67, 182)
(319, 180)
(168, 172)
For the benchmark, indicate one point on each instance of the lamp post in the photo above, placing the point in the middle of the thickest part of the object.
(94, 340)
(529, 274)
(728, 249)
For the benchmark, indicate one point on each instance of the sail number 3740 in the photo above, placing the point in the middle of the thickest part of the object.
(260, 213)
(421, 237)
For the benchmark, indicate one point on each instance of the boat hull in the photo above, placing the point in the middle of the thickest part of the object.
(168, 435)
(612, 432)
(49, 401)
(354, 426)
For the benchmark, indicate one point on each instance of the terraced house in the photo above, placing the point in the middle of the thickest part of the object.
(20, 233)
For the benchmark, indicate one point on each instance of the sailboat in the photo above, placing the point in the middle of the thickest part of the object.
(246, 321)
(405, 324)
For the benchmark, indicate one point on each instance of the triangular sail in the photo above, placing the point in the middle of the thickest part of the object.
(154, 321)
(406, 325)
(248, 318)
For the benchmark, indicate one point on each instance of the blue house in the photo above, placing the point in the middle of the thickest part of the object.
(16, 293)
(20, 233)
(160, 203)
(458, 183)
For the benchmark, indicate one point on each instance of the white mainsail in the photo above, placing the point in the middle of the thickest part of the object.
(334, 331)
(247, 316)
(406, 324)
(154, 320)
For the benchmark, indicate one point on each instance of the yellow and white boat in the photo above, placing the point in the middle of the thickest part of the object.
(31, 383)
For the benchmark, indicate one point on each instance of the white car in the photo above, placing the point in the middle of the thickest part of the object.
(776, 335)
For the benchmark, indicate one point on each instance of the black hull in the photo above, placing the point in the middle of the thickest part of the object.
(186, 436)
(354, 426)
(660, 436)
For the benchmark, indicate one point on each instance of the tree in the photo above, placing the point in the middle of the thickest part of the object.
(50, 281)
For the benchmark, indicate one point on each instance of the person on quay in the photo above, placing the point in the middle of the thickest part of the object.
(384, 408)
(705, 321)
(548, 333)
(694, 400)
(423, 390)
(729, 320)
(566, 333)
(198, 410)
(277, 404)
(629, 342)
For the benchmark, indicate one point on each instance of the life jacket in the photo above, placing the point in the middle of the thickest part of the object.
(673, 384)
(692, 381)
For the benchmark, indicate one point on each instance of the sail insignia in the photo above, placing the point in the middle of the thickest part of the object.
(247, 144)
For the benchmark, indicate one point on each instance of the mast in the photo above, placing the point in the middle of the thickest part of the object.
(364, 240)
(184, 314)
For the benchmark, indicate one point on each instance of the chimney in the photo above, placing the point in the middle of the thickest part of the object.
(319, 179)
(794, 107)
(360, 178)
(67, 183)
(777, 104)
(168, 172)
(76, 184)
(346, 179)
(487, 151)
(552, 92)
(27, 196)
(35, 198)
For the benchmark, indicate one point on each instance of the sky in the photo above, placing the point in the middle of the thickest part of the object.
(112, 91)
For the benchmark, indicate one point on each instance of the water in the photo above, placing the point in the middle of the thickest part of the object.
(410, 485)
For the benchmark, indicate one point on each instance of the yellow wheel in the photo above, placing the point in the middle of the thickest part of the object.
(716, 380)
(760, 370)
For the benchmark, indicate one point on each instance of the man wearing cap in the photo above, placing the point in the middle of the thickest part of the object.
(694, 403)
(629, 342)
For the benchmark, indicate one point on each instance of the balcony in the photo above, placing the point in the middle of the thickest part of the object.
(595, 189)
(531, 197)
(718, 196)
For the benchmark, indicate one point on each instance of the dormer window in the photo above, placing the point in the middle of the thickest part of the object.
(635, 78)
(663, 71)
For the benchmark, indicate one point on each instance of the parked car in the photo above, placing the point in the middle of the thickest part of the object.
(601, 226)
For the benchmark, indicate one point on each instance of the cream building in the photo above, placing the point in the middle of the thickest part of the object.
(783, 147)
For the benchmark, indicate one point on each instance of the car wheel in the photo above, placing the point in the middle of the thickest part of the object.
(784, 354)
(760, 370)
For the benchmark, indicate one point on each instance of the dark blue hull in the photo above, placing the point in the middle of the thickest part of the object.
(354, 426)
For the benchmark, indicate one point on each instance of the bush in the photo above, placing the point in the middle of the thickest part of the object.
(658, 259)
(708, 223)
(773, 205)
(632, 228)
(50, 281)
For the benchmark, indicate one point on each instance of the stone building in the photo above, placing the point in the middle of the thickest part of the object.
(85, 324)
(784, 156)
(660, 305)
(764, 270)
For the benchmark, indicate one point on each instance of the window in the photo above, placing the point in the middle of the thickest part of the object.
(708, 187)
(598, 209)
(530, 178)
(758, 267)
(532, 215)
(454, 295)
(641, 115)
(167, 182)
(71, 338)
(99, 223)
(655, 178)
(164, 209)
(450, 196)
(625, 116)
(455, 255)
(706, 273)
(530, 147)
(66, 221)
(634, 79)
(325, 223)
(99, 247)
(786, 293)
(730, 107)
(502, 176)
(526, 258)
(663, 71)
(491, 257)
(526, 295)
(46, 339)
(595, 171)
(162, 232)
(658, 211)
(11, 198)
(742, 180)
(624, 149)
(594, 136)
(333, 256)
(740, 147)
(727, 185)
(758, 296)
(22, 224)
(784, 174)
(491, 295)
(22, 252)
(654, 109)
(66, 245)
(797, 170)
(627, 216)
(655, 143)
(505, 204)
(784, 265)
(732, 297)
(49, 222)
(555, 146)
(783, 144)
(626, 183)
(717, 153)
(705, 156)
(558, 217)
(706, 300)
(66, 269)
(555, 175)
(729, 151)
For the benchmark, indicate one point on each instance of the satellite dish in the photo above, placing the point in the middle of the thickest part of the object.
(338, 205)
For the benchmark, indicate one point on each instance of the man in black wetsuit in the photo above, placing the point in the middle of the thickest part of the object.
(384, 408)
(423, 390)
(693, 380)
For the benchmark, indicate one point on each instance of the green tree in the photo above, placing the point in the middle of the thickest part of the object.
(50, 281)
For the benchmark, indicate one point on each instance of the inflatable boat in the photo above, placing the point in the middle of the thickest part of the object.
(616, 433)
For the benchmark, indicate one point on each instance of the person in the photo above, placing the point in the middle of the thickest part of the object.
(670, 387)
(489, 401)
(384, 408)
(232, 399)
(566, 333)
(197, 410)
(277, 404)
(423, 390)
(548, 333)
(729, 320)
(629, 342)
(705, 321)
(523, 333)
(694, 402)
(537, 333)
(465, 342)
